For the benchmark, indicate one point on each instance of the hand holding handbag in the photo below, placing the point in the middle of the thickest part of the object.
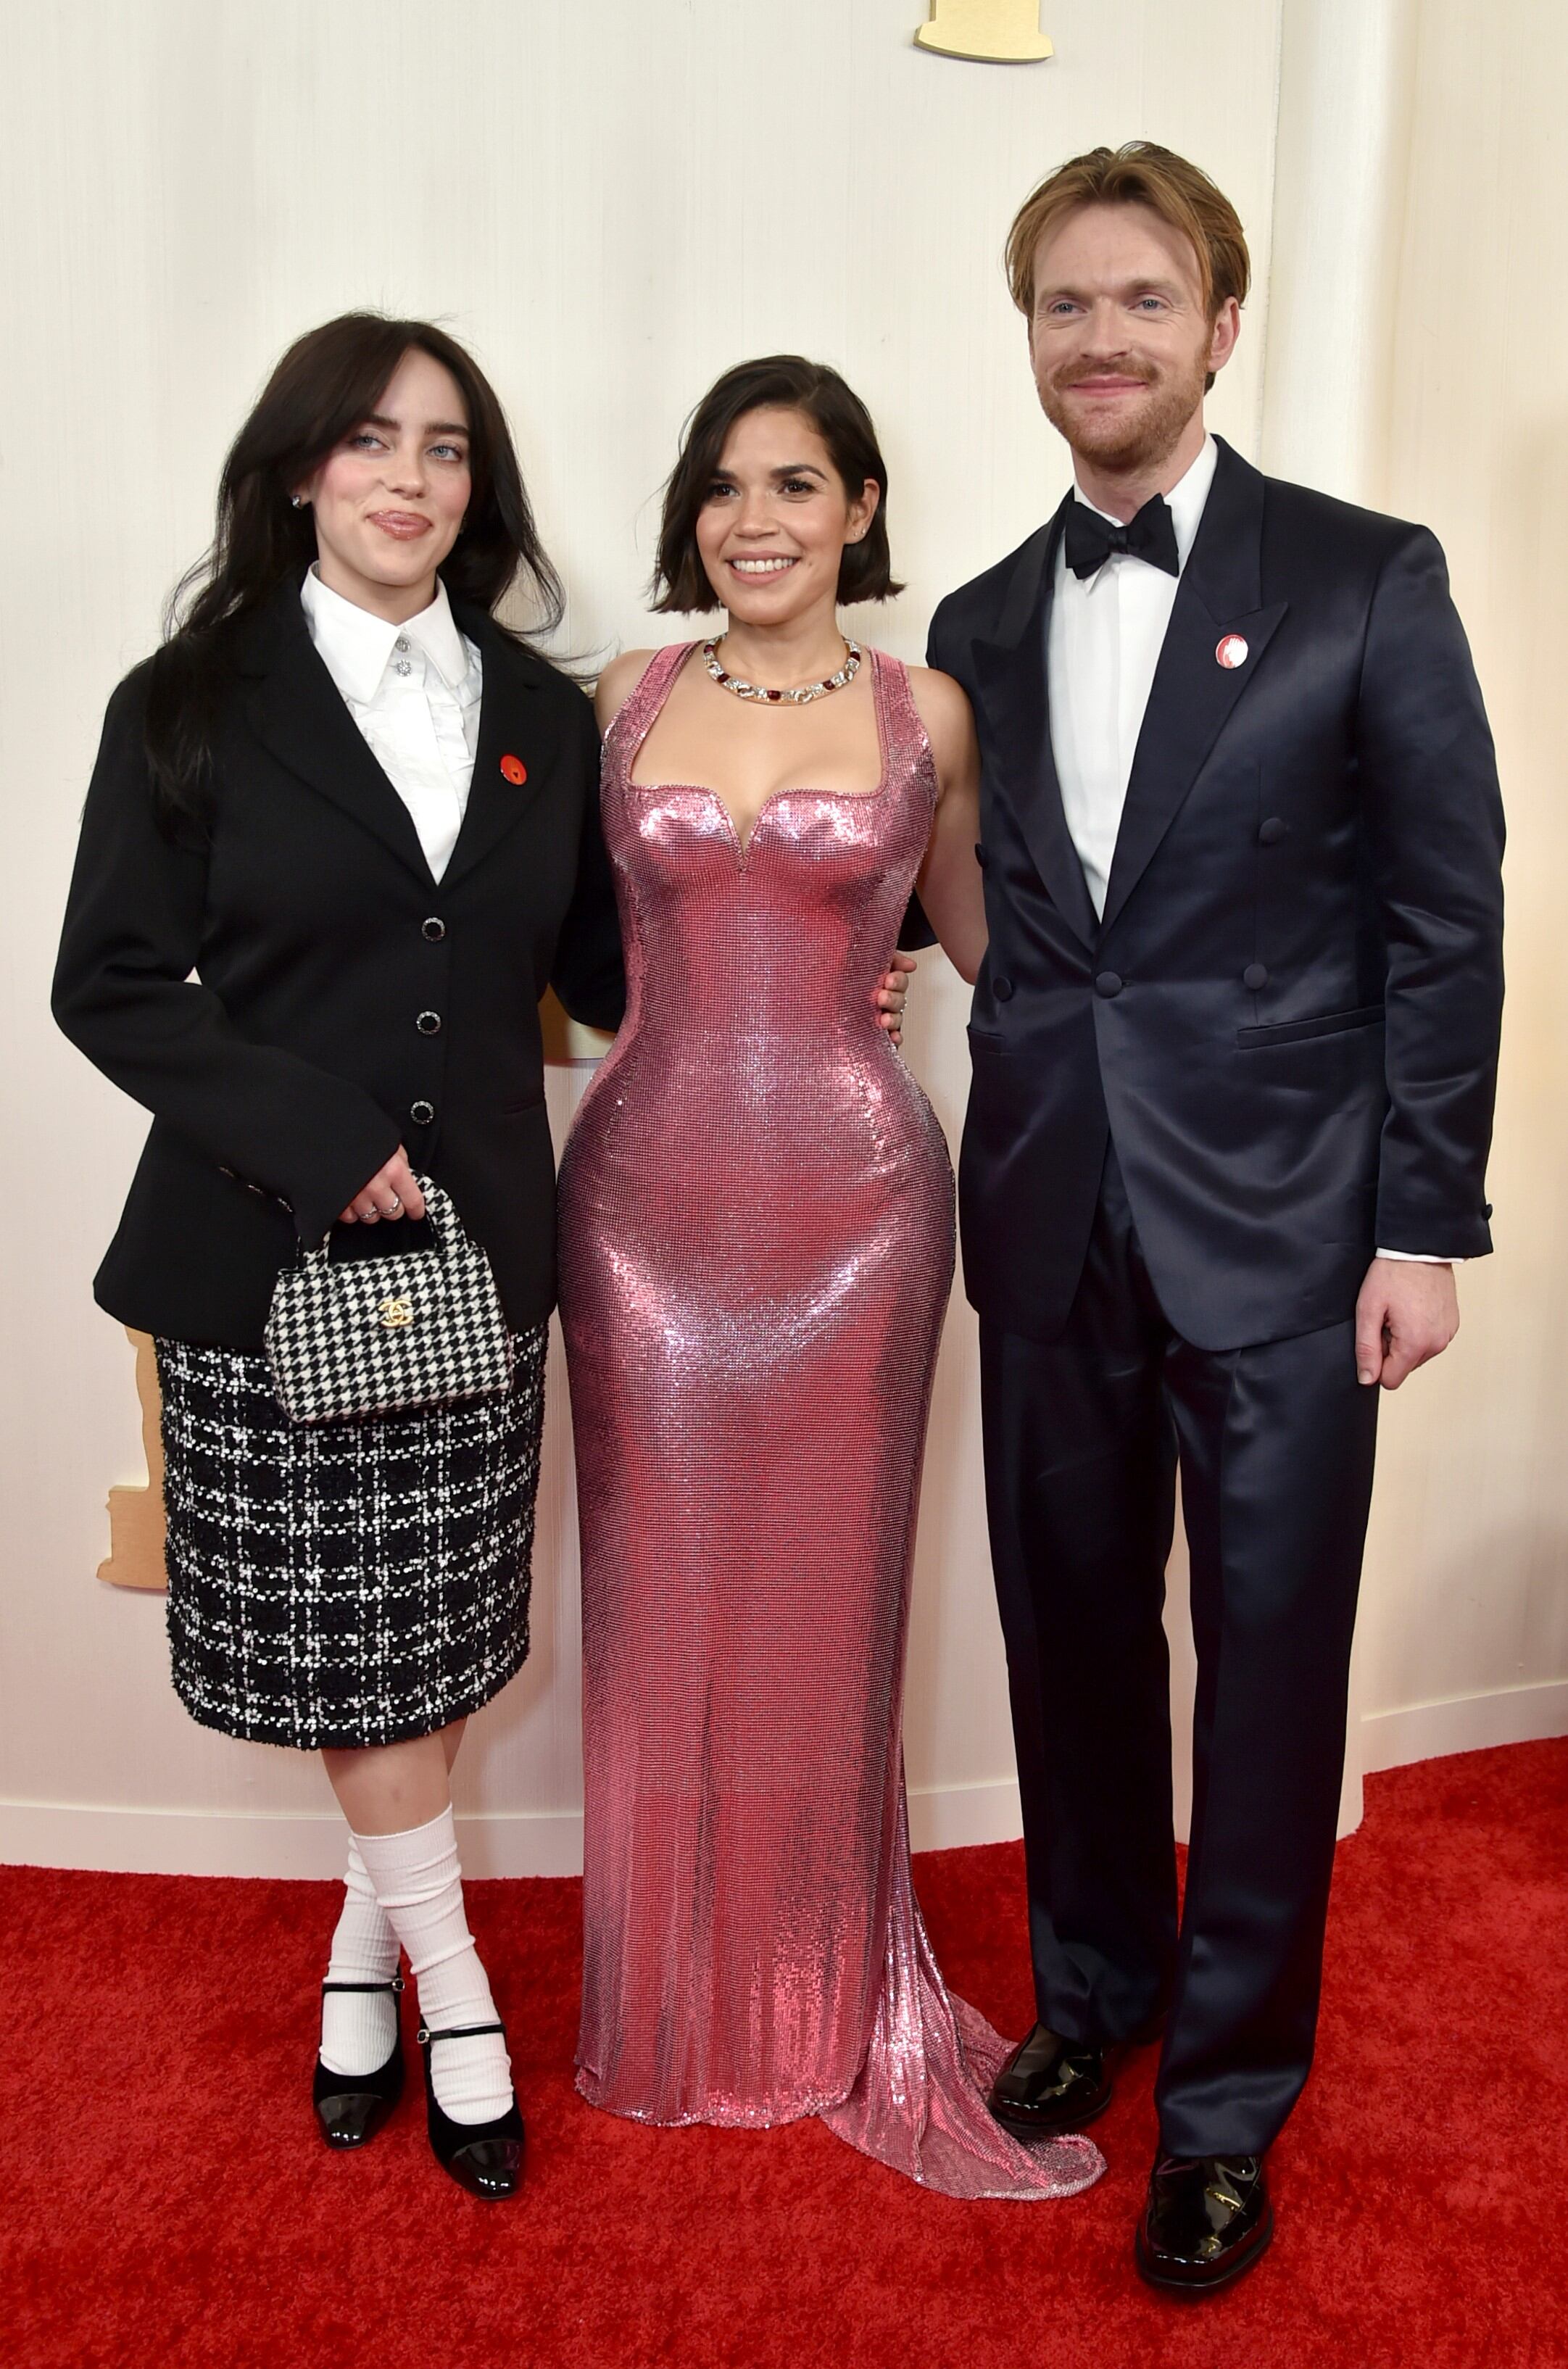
(352, 1338)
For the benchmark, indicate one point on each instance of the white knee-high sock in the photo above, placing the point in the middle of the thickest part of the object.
(419, 1883)
(358, 2028)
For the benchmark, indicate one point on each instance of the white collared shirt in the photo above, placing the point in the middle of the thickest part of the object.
(414, 691)
(1102, 647)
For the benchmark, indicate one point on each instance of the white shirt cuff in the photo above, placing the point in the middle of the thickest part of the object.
(1420, 1258)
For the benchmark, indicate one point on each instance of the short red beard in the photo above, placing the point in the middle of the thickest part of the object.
(1138, 440)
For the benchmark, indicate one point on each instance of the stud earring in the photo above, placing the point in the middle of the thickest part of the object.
(296, 501)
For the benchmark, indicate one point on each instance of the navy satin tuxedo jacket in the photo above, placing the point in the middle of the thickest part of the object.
(1288, 1019)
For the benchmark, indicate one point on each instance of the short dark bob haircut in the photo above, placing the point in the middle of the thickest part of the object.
(777, 382)
(322, 388)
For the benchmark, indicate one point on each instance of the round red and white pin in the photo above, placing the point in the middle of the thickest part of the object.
(1231, 650)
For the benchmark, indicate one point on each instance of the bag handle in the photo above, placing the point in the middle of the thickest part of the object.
(446, 1226)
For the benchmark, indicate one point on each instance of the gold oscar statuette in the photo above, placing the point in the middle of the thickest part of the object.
(995, 32)
(569, 1044)
(136, 1515)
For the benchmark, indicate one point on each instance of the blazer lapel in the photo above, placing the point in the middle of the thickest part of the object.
(298, 713)
(1193, 694)
(512, 720)
(1012, 679)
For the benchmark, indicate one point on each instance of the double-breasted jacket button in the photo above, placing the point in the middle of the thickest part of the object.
(1254, 977)
(428, 1023)
(421, 1112)
(1271, 832)
(434, 929)
(1002, 988)
(1108, 983)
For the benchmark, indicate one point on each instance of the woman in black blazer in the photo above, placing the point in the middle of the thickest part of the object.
(342, 833)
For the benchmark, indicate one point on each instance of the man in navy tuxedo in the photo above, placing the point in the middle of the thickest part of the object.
(1234, 1048)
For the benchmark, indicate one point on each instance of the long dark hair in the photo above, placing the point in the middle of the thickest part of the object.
(785, 382)
(325, 385)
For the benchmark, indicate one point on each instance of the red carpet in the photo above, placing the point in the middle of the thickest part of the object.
(164, 2201)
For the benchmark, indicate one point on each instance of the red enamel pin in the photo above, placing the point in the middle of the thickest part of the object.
(1231, 650)
(516, 771)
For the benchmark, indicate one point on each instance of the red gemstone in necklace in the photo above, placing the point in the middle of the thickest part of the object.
(800, 695)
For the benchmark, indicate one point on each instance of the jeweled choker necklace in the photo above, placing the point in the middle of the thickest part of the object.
(796, 698)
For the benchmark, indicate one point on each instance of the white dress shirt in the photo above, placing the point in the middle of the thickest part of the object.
(414, 691)
(1101, 646)
(1104, 643)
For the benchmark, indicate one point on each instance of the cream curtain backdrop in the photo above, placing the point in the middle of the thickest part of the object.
(610, 200)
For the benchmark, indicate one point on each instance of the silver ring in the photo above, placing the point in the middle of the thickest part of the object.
(396, 1204)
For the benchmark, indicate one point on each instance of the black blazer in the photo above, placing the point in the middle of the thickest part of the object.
(1288, 1019)
(347, 1000)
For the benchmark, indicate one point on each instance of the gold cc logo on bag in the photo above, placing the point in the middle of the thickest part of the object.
(396, 1311)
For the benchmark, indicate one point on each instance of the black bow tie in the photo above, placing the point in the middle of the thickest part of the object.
(1151, 535)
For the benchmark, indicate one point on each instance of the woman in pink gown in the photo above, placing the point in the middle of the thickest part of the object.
(756, 1252)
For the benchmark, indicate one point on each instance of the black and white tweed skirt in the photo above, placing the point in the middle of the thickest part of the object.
(350, 1583)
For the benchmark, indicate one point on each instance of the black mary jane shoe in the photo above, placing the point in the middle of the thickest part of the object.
(484, 2157)
(1208, 2219)
(1049, 2086)
(352, 2107)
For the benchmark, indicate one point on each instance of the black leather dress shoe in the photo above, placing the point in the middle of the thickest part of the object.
(484, 2157)
(1208, 2219)
(1049, 2085)
(352, 2107)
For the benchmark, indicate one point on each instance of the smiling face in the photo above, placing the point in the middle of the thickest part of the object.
(1120, 338)
(775, 517)
(390, 500)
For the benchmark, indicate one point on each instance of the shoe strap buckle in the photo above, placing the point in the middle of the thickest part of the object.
(458, 2031)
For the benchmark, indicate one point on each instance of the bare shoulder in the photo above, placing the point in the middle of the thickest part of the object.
(617, 682)
(943, 708)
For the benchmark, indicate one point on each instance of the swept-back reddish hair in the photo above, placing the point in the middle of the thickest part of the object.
(1138, 174)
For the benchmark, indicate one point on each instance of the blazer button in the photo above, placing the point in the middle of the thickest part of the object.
(981, 856)
(1108, 983)
(421, 1113)
(428, 1023)
(1271, 832)
(1002, 988)
(1254, 977)
(434, 929)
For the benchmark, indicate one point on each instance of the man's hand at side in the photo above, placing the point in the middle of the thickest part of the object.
(1406, 1313)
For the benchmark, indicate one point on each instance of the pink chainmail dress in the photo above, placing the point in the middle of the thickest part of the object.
(756, 1251)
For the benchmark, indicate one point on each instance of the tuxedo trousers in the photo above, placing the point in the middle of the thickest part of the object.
(1084, 1439)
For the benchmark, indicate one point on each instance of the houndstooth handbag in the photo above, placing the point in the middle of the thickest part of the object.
(372, 1336)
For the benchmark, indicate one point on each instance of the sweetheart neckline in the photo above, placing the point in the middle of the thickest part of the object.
(793, 790)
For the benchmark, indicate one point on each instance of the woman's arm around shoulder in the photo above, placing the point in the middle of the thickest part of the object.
(618, 682)
(949, 883)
